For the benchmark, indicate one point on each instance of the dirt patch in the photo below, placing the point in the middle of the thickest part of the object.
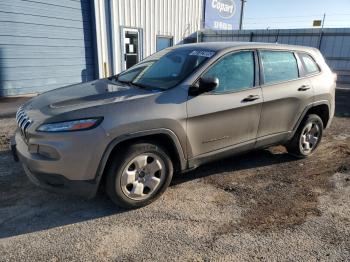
(276, 197)
(7, 129)
(4, 141)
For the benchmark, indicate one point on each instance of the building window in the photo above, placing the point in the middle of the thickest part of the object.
(163, 42)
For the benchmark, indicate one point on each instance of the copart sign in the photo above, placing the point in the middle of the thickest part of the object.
(222, 14)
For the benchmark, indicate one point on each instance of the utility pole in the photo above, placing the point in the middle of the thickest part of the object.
(242, 14)
(324, 18)
(321, 31)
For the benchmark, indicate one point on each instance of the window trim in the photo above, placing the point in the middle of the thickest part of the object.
(256, 72)
(305, 74)
(262, 77)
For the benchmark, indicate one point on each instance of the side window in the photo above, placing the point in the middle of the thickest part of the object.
(309, 63)
(279, 66)
(234, 71)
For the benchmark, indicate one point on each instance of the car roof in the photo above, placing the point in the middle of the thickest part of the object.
(219, 46)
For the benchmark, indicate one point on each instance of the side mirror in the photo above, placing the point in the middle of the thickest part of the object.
(205, 84)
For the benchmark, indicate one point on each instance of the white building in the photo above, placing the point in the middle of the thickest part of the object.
(129, 30)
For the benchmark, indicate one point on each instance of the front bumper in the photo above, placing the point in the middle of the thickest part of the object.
(49, 174)
(59, 184)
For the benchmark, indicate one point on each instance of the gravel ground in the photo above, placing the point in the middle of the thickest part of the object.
(264, 205)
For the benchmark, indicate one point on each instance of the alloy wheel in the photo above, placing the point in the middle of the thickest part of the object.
(309, 137)
(142, 176)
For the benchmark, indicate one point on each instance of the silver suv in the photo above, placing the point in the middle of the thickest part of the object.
(175, 110)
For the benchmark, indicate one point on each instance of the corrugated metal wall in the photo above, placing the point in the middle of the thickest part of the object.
(44, 44)
(177, 18)
(334, 43)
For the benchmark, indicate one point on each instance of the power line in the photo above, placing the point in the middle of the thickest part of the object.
(282, 17)
(292, 21)
(338, 14)
(286, 17)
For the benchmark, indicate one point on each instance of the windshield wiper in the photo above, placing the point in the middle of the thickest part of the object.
(139, 85)
(129, 83)
(124, 82)
(114, 77)
(151, 88)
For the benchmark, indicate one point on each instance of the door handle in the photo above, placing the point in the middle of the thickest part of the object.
(304, 88)
(251, 98)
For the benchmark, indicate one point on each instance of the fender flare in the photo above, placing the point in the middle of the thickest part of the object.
(119, 139)
(307, 108)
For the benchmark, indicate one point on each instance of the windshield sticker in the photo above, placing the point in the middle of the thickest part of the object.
(202, 53)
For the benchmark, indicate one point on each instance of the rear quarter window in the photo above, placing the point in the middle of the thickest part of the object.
(278, 66)
(310, 66)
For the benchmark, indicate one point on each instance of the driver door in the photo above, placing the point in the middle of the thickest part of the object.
(229, 115)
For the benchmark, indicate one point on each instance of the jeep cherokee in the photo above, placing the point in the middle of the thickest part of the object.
(175, 110)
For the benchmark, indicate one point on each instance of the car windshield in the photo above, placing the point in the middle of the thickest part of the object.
(165, 69)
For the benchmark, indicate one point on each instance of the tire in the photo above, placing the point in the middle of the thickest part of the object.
(307, 137)
(138, 175)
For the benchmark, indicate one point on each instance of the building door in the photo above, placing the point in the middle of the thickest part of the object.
(131, 47)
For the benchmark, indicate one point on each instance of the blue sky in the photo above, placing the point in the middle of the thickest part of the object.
(262, 14)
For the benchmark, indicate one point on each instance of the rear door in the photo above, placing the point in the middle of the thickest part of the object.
(230, 114)
(286, 94)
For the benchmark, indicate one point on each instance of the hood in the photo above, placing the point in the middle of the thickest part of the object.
(85, 95)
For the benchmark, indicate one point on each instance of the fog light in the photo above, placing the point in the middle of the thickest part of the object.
(48, 152)
(33, 148)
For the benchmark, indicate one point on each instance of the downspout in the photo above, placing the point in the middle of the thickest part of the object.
(101, 39)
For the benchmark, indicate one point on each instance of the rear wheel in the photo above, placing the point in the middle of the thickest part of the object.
(307, 137)
(139, 175)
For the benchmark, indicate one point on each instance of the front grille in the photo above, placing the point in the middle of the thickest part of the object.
(23, 121)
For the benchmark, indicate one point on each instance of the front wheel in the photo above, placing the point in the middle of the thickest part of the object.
(307, 138)
(138, 175)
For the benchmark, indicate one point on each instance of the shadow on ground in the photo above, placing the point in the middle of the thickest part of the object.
(250, 160)
(25, 208)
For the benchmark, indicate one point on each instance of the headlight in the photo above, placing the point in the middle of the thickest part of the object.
(74, 125)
